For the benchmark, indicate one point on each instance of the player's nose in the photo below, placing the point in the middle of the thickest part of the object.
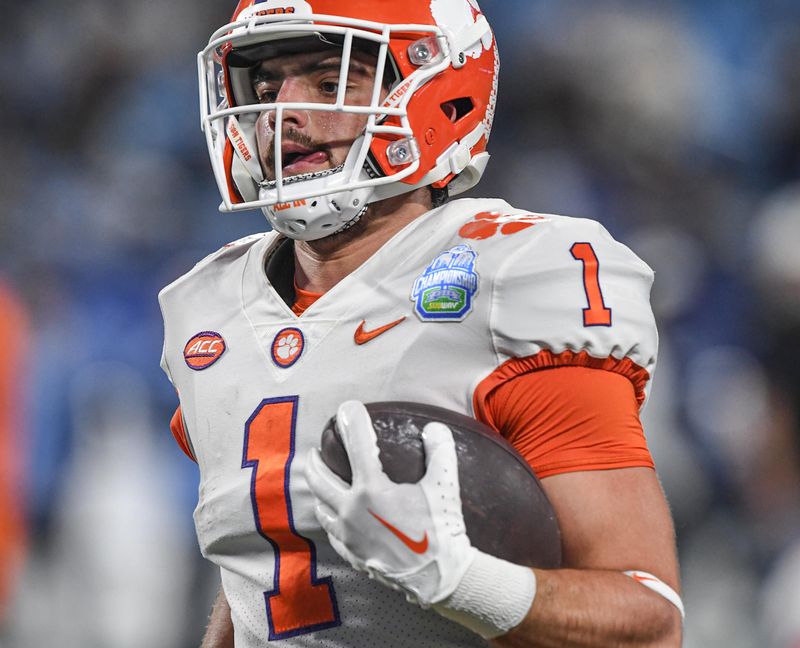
(291, 91)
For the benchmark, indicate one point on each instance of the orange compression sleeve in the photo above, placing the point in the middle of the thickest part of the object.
(179, 432)
(568, 419)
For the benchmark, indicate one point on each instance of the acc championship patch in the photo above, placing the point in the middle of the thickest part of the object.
(445, 291)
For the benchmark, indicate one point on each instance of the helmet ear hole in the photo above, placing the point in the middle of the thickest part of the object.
(455, 109)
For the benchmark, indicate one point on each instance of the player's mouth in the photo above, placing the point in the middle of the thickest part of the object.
(299, 159)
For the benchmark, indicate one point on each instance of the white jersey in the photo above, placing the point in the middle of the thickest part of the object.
(430, 317)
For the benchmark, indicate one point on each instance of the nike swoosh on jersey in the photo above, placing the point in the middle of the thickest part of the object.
(362, 337)
(417, 546)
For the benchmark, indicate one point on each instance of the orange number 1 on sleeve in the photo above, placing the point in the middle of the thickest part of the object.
(299, 602)
(597, 314)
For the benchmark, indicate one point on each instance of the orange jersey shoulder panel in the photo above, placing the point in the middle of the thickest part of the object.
(566, 418)
(179, 432)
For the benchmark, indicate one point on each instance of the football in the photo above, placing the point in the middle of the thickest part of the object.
(506, 512)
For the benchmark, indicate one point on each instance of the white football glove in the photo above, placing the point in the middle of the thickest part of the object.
(410, 537)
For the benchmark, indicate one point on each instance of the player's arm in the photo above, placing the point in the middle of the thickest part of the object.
(580, 430)
(219, 633)
(574, 416)
(611, 521)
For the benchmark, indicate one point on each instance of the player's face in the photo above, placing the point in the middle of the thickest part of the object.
(312, 140)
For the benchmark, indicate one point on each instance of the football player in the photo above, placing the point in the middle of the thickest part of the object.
(351, 124)
(14, 331)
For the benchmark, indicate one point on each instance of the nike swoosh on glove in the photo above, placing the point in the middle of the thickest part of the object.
(410, 537)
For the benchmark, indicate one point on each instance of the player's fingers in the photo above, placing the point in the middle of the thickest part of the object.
(340, 548)
(325, 485)
(440, 450)
(327, 519)
(383, 580)
(440, 482)
(358, 436)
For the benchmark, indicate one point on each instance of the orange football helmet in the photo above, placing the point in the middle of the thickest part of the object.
(428, 122)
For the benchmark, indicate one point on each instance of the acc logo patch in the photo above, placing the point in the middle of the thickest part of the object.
(203, 350)
(486, 224)
(287, 347)
(445, 291)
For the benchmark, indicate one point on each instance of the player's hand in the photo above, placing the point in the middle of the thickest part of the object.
(411, 537)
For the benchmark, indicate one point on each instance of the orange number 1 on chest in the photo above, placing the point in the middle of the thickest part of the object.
(299, 602)
(597, 314)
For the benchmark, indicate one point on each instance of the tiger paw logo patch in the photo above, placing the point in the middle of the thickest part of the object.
(447, 288)
(203, 350)
(287, 347)
(486, 224)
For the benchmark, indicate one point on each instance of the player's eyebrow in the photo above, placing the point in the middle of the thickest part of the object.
(264, 73)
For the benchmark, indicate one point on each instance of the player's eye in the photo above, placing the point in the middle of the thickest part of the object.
(329, 87)
(264, 94)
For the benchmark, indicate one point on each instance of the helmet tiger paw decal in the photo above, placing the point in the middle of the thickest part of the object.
(287, 347)
(486, 224)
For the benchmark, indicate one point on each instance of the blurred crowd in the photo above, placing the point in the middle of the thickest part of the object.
(676, 124)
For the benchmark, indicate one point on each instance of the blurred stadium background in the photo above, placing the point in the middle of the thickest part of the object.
(675, 123)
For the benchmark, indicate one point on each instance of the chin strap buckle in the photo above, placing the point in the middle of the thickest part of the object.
(459, 154)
